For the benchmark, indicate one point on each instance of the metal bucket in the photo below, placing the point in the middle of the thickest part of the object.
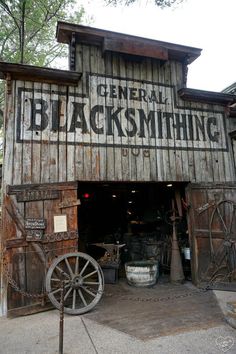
(142, 273)
(187, 254)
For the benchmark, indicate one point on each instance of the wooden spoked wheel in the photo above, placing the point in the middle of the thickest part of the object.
(83, 282)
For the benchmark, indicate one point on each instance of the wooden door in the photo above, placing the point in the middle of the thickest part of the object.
(39, 223)
(212, 227)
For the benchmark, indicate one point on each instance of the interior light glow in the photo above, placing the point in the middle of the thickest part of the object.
(169, 185)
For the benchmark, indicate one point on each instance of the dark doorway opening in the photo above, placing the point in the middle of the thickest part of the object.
(137, 215)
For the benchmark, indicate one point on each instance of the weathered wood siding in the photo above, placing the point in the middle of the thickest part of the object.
(211, 222)
(28, 257)
(123, 122)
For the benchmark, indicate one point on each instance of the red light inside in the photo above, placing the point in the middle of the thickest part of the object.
(86, 195)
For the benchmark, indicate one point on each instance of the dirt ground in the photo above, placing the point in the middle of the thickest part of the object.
(162, 310)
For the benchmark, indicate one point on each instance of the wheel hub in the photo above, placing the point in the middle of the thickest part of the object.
(76, 282)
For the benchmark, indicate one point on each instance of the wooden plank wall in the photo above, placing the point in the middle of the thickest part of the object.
(52, 157)
(211, 213)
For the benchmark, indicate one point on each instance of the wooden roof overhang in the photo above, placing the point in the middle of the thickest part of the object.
(210, 97)
(124, 43)
(13, 71)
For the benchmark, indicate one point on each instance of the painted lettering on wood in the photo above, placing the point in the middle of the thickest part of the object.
(120, 113)
(33, 195)
(35, 224)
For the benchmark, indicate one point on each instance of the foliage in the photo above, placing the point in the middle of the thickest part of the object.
(27, 32)
(160, 3)
(27, 29)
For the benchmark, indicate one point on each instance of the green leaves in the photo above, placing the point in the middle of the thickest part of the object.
(161, 3)
(27, 29)
(27, 32)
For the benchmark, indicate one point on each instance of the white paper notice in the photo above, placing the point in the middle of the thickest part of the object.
(60, 223)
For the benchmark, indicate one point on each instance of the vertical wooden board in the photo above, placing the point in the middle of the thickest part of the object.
(27, 146)
(9, 231)
(211, 174)
(10, 114)
(202, 199)
(130, 73)
(149, 155)
(188, 155)
(95, 152)
(125, 152)
(140, 75)
(15, 256)
(56, 93)
(230, 169)
(15, 148)
(79, 92)
(34, 264)
(233, 142)
(157, 77)
(177, 79)
(227, 158)
(199, 200)
(101, 119)
(204, 257)
(71, 154)
(165, 79)
(197, 159)
(45, 155)
(213, 155)
(176, 151)
(72, 221)
(87, 137)
(169, 153)
(8, 228)
(185, 156)
(36, 143)
(137, 152)
(110, 156)
(117, 139)
(50, 209)
(62, 136)
(217, 156)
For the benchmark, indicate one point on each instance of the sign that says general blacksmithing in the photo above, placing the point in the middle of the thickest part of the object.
(117, 112)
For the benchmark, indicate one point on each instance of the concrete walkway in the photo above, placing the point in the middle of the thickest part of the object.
(38, 334)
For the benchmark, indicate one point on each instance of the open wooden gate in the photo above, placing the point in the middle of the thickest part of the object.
(212, 227)
(39, 224)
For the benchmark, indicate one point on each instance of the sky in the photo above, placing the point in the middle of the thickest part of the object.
(205, 24)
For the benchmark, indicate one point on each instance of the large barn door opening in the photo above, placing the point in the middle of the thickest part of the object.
(212, 226)
(39, 223)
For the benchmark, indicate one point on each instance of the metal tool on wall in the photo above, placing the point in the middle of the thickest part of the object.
(176, 269)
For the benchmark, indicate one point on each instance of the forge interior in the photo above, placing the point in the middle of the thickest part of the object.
(136, 215)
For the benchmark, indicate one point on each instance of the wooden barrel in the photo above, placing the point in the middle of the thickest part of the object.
(142, 273)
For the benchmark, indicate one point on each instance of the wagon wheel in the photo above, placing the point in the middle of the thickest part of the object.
(83, 282)
(223, 221)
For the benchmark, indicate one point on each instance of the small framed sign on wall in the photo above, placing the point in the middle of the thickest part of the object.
(60, 223)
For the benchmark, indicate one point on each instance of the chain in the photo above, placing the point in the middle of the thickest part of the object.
(162, 299)
(48, 238)
(16, 287)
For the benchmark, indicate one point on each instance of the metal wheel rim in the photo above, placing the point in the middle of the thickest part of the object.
(77, 282)
(227, 228)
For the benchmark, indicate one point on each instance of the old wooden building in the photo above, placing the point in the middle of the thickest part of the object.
(106, 147)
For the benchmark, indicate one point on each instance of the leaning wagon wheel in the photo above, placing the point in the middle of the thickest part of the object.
(83, 282)
(224, 223)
